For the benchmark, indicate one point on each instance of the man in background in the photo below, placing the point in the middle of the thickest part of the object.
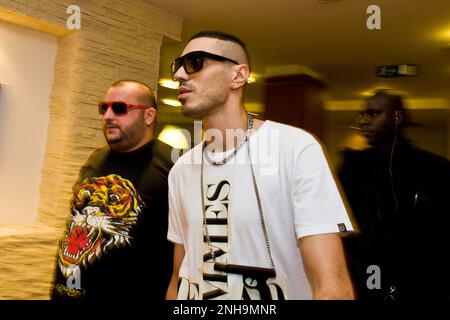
(398, 194)
(115, 245)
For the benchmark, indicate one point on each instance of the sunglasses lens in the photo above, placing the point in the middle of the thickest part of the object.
(102, 107)
(119, 107)
(176, 65)
(193, 63)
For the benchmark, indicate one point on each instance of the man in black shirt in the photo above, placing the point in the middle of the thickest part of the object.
(398, 194)
(115, 244)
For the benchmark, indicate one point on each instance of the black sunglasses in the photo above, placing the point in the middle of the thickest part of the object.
(119, 107)
(193, 61)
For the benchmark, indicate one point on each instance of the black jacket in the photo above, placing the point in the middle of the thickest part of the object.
(401, 207)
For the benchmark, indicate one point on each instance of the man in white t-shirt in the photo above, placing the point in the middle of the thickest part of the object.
(254, 211)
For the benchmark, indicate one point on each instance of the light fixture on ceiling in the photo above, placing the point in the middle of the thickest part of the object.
(251, 78)
(168, 83)
(372, 91)
(174, 136)
(442, 34)
(171, 102)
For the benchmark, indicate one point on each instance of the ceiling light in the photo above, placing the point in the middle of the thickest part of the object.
(251, 78)
(167, 83)
(442, 34)
(174, 136)
(371, 92)
(171, 102)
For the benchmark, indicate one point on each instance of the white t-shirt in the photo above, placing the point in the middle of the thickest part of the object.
(299, 197)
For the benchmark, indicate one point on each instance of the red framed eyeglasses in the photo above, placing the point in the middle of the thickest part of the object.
(119, 107)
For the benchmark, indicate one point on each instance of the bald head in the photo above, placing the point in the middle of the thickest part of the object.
(227, 45)
(144, 94)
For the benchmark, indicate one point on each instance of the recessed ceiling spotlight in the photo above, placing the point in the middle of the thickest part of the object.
(251, 79)
(171, 102)
(168, 83)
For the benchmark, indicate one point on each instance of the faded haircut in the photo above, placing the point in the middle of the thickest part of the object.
(219, 35)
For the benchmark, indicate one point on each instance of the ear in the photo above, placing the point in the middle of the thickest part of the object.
(398, 117)
(240, 76)
(149, 115)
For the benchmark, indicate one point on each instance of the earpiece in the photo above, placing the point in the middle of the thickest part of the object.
(398, 117)
(397, 121)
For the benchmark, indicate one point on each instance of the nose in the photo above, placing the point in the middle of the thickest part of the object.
(364, 119)
(180, 74)
(108, 115)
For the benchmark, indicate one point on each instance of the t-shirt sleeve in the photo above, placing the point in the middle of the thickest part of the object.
(174, 232)
(318, 204)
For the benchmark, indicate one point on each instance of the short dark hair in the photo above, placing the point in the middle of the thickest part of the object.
(394, 101)
(218, 35)
(148, 98)
(222, 36)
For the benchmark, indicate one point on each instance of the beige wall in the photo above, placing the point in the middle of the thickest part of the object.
(118, 39)
(27, 60)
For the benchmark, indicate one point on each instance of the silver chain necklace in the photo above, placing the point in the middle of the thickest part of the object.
(258, 199)
(235, 151)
